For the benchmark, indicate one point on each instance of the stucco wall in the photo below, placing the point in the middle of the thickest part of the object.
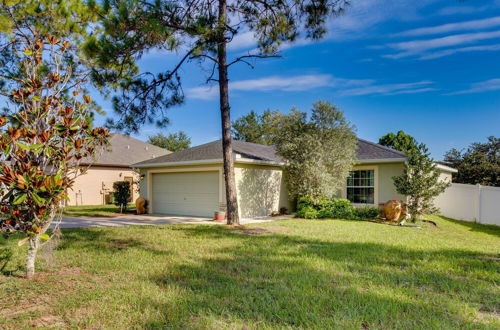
(387, 190)
(445, 176)
(90, 188)
(261, 190)
(384, 186)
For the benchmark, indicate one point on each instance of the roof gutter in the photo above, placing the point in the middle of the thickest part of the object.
(381, 160)
(208, 161)
(187, 162)
(446, 168)
(104, 165)
(253, 161)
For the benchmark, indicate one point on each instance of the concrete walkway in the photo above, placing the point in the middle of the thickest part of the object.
(142, 220)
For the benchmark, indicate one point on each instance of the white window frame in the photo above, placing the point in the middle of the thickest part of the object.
(373, 168)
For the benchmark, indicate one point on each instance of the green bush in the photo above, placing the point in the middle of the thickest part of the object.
(310, 212)
(342, 209)
(121, 194)
(304, 202)
(367, 212)
(334, 208)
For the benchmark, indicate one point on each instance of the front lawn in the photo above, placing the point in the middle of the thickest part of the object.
(284, 274)
(93, 211)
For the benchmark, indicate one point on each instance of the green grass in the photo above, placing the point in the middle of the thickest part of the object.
(93, 211)
(285, 274)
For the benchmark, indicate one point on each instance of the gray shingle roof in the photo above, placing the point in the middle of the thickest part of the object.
(125, 151)
(368, 150)
(213, 151)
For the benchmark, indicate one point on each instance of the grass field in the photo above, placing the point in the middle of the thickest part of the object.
(93, 210)
(283, 274)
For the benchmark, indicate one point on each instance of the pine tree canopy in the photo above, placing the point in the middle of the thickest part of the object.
(193, 29)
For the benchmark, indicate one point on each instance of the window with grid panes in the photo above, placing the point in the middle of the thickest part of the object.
(361, 187)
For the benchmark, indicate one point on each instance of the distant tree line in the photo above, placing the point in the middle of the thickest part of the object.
(173, 142)
(477, 164)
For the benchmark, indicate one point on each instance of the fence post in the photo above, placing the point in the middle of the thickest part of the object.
(478, 203)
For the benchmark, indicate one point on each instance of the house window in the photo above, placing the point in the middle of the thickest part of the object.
(361, 187)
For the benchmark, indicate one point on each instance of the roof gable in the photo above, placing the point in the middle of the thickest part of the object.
(125, 151)
(369, 150)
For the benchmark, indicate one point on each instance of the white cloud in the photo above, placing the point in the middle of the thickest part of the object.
(452, 51)
(296, 83)
(361, 17)
(479, 87)
(243, 40)
(358, 21)
(454, 10)
(278, 83)
(390, 89)
(202, 93)
(416, 47)
(413, 91)
(346, 87)
(453, 27)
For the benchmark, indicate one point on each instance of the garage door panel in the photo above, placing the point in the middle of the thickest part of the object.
(193, 193)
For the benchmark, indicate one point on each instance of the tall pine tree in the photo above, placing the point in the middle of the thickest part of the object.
(200, 30)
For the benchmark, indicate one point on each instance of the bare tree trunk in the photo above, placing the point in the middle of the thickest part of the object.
(34, 244)
(233, 217)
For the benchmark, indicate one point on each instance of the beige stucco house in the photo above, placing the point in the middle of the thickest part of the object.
(191, 182)
(95, 187)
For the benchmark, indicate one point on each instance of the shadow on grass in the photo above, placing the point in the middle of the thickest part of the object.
(104, 240)
(7, 253)
(275, 280)
(282, 281)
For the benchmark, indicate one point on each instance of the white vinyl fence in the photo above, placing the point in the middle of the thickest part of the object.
(470, 203)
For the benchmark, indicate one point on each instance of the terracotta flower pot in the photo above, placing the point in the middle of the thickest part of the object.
(220, 216)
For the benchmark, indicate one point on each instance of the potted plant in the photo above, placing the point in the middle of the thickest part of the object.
(220, 215)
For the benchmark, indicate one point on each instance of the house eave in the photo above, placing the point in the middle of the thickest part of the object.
(208, 162)
(253, 161)
(446, 168)
(91, 165)
(381, 160)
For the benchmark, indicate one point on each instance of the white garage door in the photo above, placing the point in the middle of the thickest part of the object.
(193, 193)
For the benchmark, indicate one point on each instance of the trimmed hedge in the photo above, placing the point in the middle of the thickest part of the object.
(334, 208)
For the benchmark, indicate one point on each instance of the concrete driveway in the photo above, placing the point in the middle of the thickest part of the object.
(142, 220)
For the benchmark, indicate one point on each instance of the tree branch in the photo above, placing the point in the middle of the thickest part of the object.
(242, 58)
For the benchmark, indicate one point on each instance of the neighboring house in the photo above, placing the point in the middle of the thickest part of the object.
(95, 187)
(191, 182)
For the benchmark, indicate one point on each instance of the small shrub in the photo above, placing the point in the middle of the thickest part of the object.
(310, 212)
(342, 209)
(335, 208)
(325, 212)
(367, 212)
(304, 202)
(121, 194)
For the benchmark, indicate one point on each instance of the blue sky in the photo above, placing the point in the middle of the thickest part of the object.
(428, 67)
